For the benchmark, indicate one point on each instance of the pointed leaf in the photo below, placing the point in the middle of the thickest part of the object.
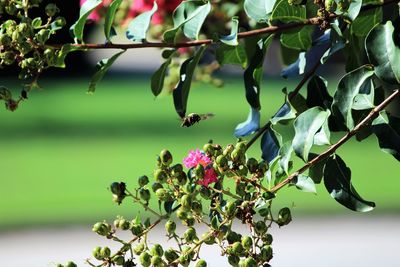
(387, 130)
(109, 19)
(87, 8)
(227, 54)
(285, 154)
(323, 136)
(305, 184)
(259, 10)
(353, 9)
(349, 86)
(157, 79)
(181, 92)
(271, 142)
(306, 126)
(101, 69)
(232, 39)
(249, 126)
(365, 99)
(299, 39)
(337, 180)
(62, 54)
(138, 27)
(317, 93)
(284, 114)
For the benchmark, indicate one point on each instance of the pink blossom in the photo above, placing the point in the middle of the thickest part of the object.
(165, 7)
(96, 14)
(209, 177)
(196, 157)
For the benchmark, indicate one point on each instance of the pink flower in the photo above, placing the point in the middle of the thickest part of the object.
(196, 157)
(165, 7)
(96, 14)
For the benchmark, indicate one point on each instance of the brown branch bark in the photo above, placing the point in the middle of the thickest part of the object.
(371, 116)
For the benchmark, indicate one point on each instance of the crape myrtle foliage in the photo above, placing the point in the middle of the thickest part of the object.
(218, 185)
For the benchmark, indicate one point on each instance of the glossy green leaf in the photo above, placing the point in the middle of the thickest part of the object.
(189, 16)
(232, 38)
(338, 42)
(365, 98)
(299, 39)
(271, 142)
(101, 69)
(285, 154)
(323, 136)
(235, 55)
(387, 130)
(349, 86)
(337, 180)
(259, 10)
(366, 21)
(306, 126)
(253, 73)
(181, 92)
(305, 184)
(383, 53)
(157, 79)
(284, 12)
(285, 113)
(317, 93)
(109, 18)
(87, 8)
(316, 171)
(353, 10)
(138, 27)
(62, 54)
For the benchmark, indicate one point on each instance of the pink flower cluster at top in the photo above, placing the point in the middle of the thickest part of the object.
(140, 6)
(197, 157)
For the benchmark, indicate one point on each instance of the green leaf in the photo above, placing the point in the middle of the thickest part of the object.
(109, 19)
(37, 23)
(286, 113)
(249, 126)
(365, 98)
(299, 39)
(285, 154)
(215, 222)
(338, 42)
(101, 69)
(259, 10)
(253, 73)
(305, 184)
(235, 55)
(337, 180)
(62, 54)
(349, 86)
(157, 79)
(284, 12)
(139, 26)
(181, 92)
(387, 130)
(189, 15)
(323, 136)
(271, 142)
(354, 9)
(232, 39)
(316, 171)
(87, 8)
(306, 126)
(366, 21)
(317, 93)
(383, 53)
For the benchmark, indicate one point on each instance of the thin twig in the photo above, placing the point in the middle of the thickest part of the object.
(372, 115)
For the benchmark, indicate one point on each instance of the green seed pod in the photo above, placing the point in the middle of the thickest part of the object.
(266, 253)
(59, 265)
(263, 167)
(236, 155)
(137, 229)
(25, 29)
(186, 202)
(105, 252)
(230, 209)
(170, 255)
(161, 176)
(176, 169)
(124, 225)
(208, 149)
(208, 239)
(156, 261)
(197, 207)
(118, 188)
(241, 189)
(60, 22)
(201, 263)
(8, 57)
(163, 195)
(232, 237)
(24, 48)
(190, 221)
(118, 260)
(190, 235)
(263, 212)
(101, 228)
(157, 250)
(184, 260)
(222, 162)
(11, 9)
(5, 40)
(205, 192)
(181, 214)
(267, 239)
(170, 227)
(139, 249)
(96, 253)
(247, 242)
(233, 260)
(166, 157)
(284, 217)
(155, 186)
(144, 194)
(43, 36)
(260, 227)
(228, 150)
(199, 171)
(143, 180)
(17, 37)
(250, 262)
(70, 264)
(51, 10)
(237, 248)
(241, 146)
(252, 165)
(145, 259)
(242, 263)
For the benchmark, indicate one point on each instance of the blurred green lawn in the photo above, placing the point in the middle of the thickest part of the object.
(62, 148)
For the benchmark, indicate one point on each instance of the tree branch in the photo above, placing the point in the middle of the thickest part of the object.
(371, 116)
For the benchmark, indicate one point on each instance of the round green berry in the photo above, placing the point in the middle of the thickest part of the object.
(166, 157)
(201, 263)
(145, 259)
(157, 250)
(247, 242)
(170, 227)
(143, 180)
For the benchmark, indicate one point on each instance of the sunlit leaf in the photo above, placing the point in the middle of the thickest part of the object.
(109, 19)
(249, 126)
(138, 27)
(87, 8)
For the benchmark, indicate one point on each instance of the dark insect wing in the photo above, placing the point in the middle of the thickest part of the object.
(206, 116)
(193, 118)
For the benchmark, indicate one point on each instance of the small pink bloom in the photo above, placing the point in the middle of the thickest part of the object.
(209, 177)
(196, 157)
(96, 14)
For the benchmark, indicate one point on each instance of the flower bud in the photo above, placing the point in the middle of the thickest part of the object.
(263, 167)
(181, 214)
(190, 235)
(70, 264)
(230, 209)
(60, 22)
(263, 212)
(186, 202)
(8, 57)
(161, 176)
(51, 10)
(139, 249)
(118, 188)
(166, 157)
(42, 36)
(101, 228)
(260, 227)
(5, 40)
(205, 192)
(143, 180)
(284, 217)
(250, 262)
(145, 259)
(197, 207)
(144, 194)
(222, 162)
(266, 253)
(241, 146)
(163, 195)
(199, 171)
(181, 178)
(156, 261)
(157, 250)
(237, 249)
(105, 252)
(176, 169)
(242, 170)
(232, 237)
(137, 229)
(118, 260)
(11, 9)
(124, 224)
(155, 186)
(201, 263)
(267, 239)
(208, 149)
(252, 165)
(233, 260)
(208, 239)
(189, 221)
(96, 253)
(170, 255)
(170, 227)
(247, 242)
(228, 150)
